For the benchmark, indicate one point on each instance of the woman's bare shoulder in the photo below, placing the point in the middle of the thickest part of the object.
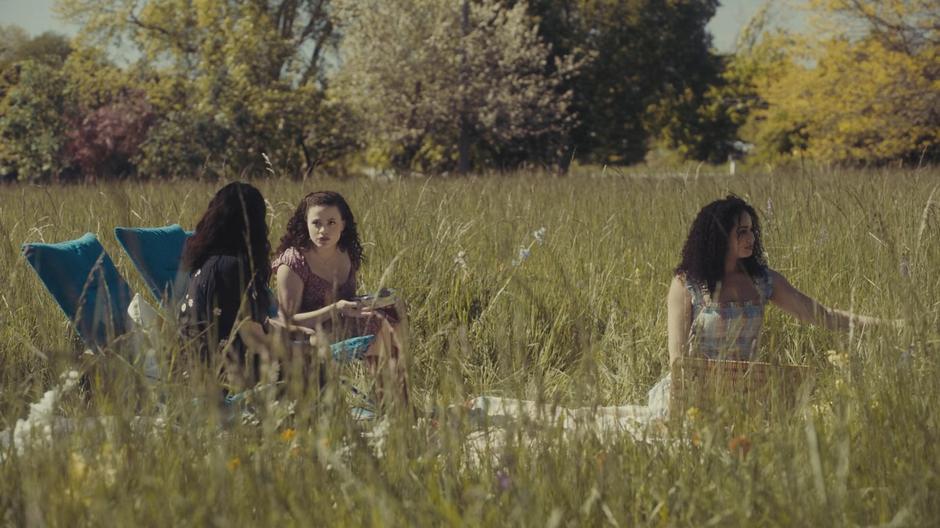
(677, 287)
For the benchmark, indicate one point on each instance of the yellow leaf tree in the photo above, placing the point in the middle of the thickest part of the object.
(861, 87)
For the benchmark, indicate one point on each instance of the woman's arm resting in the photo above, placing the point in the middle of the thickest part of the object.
(290, 289)
(678, 318)
(807, 310)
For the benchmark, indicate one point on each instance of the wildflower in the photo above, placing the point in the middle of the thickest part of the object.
(539, 235)
(461, 260)
(524, 253)
(692, 413)
(739, 445)
(838, 360)
(288, 434)
(770, 208)
(40, 419)
(905, 359)
(233, 463)
(664, 514)
(503, 480)
(77, 466)
(268, 166)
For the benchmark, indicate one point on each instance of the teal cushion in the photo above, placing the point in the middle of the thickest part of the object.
(156, 253)
(84, 282)
(352, 349)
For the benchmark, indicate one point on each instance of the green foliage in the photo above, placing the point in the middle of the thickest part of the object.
(649, 67)
(16, 46)
(245, 77)
(34, 114)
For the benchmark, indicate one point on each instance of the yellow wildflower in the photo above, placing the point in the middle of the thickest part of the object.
(77, 466)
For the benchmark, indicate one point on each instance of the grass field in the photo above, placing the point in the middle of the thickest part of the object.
(579, 321)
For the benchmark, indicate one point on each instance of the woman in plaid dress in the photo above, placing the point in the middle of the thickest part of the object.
(717, 297)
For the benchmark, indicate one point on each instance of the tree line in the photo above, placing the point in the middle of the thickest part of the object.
(174, 88)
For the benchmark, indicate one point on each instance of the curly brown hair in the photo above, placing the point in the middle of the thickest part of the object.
(297, 235)
(703, 256)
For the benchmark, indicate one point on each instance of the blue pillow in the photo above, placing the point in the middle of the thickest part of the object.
(156, 253)
(84, 282)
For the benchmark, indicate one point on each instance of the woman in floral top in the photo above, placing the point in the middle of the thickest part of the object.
(316, 266)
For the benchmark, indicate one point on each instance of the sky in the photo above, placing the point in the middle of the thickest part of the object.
(35, 16)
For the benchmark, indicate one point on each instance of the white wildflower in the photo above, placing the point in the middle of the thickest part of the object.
(38, 424)
(837, 359)
(539, 235)
(461, 260)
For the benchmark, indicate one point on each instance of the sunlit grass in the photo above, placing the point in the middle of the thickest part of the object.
(579, 321)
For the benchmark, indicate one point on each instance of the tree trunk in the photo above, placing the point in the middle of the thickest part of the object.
(463, 142)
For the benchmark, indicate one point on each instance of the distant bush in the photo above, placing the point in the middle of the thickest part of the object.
(105, 142)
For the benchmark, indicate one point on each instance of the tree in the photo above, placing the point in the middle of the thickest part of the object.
(439, 84)
(861, 87)
(33, 117)
(650, 62)
(246, 77)
(106, 141)
(16, 45)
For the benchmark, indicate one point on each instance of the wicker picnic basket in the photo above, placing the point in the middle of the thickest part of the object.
(736, 386)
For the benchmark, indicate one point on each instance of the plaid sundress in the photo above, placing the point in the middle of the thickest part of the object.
(727, 330)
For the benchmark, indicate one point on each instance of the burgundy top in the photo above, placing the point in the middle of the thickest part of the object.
(318, 292)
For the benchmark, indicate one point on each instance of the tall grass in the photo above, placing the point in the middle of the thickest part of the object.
(579, 321)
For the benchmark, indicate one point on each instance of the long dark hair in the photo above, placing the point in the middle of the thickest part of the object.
(233, 224)
(297, 235)
(703, 256)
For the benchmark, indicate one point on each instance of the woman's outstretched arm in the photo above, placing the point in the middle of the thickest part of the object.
(679, 318)
(808, 310)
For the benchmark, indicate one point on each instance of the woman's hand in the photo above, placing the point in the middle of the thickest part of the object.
(351, 309)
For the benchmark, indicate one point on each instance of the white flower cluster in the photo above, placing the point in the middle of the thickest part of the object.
(39, 423)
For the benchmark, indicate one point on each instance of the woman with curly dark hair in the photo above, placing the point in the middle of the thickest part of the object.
(226, 259)
(717, 296)
(316, 267)
(715, 311)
